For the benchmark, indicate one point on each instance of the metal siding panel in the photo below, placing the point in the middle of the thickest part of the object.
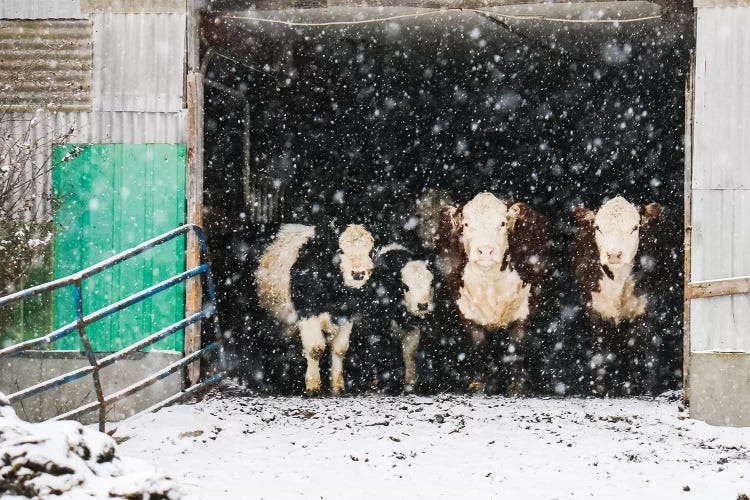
(722, 102)
(721, 177)
(125, 127)
(46, 64)
(115, 196)
(41, 9)
(719, 250)
(139, 62)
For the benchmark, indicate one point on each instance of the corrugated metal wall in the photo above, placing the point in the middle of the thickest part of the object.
(40, 9)
(721, 177)
(137, 82)
(138, 62)
(45, 64)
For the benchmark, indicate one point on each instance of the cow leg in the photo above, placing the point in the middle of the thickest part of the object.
(518, 380)
(606, 357)
(409, 344)
(639, 360)
(313, 347)
(478, 356)
(339, 346)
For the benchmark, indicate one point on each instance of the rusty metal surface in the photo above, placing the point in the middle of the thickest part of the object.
(46, 64)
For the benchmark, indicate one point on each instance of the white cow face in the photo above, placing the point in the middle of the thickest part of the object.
(356, 264)
(617, 227)
(418, 295)
(484, 223)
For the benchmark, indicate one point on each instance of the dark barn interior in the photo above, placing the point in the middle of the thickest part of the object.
(356, 121)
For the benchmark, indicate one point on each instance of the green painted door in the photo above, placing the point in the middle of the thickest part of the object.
(113, 197)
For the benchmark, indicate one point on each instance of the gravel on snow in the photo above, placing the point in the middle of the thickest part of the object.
(445, 446)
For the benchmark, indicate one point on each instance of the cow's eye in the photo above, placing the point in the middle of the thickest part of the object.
(635, 228)
(466, 224)
(502, 224)
(596, 228)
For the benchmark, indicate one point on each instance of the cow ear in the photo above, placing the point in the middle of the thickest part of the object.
(650, 213)
(516, 212)
(583, 215)
(449, 215)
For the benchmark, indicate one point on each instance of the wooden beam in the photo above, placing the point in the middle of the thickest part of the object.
(194, 191)
(718, 288)
(193, 293)
(688, 226)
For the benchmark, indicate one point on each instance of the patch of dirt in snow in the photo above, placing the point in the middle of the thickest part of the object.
(69, 461)
(442, 447)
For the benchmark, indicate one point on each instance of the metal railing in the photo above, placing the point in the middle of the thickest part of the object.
(82, 321)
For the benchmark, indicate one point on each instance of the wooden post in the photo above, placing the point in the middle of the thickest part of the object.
(688, 207)
(194, 191)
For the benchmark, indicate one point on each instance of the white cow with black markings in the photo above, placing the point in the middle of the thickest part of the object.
(316, 282)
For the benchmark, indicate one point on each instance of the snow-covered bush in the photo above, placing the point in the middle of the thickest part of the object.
(67, 460)
(26, 205)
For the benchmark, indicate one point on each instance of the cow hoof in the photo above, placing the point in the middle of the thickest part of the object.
(311, 393)
(409, 389)
(476, 387)
(337, 391)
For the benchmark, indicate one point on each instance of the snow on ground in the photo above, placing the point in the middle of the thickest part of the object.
(445, 446)
(67, 460)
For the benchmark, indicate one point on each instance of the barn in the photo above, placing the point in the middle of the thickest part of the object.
(240, 120)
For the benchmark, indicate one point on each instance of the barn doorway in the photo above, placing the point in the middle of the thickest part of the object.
(320, 119)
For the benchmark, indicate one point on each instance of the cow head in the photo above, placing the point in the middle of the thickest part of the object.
(484, 224)
(616, 227)
(418, 292)
(355, 245)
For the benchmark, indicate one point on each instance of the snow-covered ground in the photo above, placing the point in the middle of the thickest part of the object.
(66, 460)
(441, 447)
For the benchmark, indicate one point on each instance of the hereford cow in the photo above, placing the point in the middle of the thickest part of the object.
(404, 288)
(316, 282)
(493, 254)
(605, 251)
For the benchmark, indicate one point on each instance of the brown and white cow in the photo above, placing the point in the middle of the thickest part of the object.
(604, 258)
(493, 254)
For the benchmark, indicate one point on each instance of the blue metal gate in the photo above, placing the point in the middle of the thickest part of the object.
(208, 310)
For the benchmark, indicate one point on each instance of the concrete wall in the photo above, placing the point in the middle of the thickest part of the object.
(720, 388)
(33, 367)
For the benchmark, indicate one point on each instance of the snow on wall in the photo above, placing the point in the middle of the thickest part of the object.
(721, 179)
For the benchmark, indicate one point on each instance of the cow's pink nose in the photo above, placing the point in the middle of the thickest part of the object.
(614, 255)
(485, 252)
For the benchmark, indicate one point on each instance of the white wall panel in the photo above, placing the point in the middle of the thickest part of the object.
(721, 177)
(722, 99)
(139, 62)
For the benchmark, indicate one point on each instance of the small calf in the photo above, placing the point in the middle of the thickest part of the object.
(404, 287)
